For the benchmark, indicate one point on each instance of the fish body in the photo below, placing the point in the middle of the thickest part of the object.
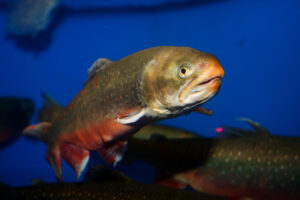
(113, 185)
(255, 167)
(120, 97)
(51, 109)
(147, 132)
(15, 114)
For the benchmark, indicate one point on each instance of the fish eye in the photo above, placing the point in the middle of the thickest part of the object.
(183, 71)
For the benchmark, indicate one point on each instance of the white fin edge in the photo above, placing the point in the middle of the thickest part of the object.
(132, 117)
(120, 155)
(81, 166)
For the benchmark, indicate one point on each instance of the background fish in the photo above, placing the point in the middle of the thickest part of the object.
(122, 96)
(255, 167)
(29, 17)
(100, 183)
(15, 114)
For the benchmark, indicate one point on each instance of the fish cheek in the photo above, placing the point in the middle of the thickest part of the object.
(168, 90)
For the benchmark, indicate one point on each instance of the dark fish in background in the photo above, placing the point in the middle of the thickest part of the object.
(122, 96)
(148, 131)
(15, 114)
(102, 184)
(260, 166)
(29, 17)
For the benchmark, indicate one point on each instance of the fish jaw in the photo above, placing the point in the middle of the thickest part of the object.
(204, 85)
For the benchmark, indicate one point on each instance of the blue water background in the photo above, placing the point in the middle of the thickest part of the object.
(256, 41)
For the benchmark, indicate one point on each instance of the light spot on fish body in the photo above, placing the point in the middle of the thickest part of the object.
(296, 157)
(249, 158)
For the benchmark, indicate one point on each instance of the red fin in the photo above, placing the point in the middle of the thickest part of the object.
(161, 178)
(114, 153)
(76, 157)
(38, 130)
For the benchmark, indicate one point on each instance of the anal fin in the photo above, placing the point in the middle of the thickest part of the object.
(114, 153)
(75, 156)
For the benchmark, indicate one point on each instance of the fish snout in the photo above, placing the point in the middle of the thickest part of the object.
(211, 70)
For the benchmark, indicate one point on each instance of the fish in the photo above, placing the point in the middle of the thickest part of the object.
(29, 17)
(102, 184)
(15, 115)
(121, 97)
(150, 130)
(258, 166)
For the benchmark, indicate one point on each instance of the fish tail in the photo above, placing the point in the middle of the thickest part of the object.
(53, 155)
(75, 156)
(38, 131)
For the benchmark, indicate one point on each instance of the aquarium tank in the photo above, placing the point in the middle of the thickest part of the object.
(47, 47)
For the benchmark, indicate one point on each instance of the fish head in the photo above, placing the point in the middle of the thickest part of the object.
(180, 80)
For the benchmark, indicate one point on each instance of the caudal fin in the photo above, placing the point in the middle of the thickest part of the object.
(38, 131)
(53, 155)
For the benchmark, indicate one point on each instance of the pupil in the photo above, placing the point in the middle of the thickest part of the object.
(183, 71)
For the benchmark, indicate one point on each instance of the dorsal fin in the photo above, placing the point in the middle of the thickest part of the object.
(97, 66)
(99, 173)
(232, 132)
(259, 130)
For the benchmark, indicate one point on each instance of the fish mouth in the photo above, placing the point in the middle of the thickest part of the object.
(211, 79)
(209, 84)
(202, 91)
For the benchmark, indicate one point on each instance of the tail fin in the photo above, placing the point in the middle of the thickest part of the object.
(38, 130)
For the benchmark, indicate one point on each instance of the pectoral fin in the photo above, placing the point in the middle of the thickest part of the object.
(131, 117)
(204, 111)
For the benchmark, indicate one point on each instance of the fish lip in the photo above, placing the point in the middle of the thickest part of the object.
(211, 79)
